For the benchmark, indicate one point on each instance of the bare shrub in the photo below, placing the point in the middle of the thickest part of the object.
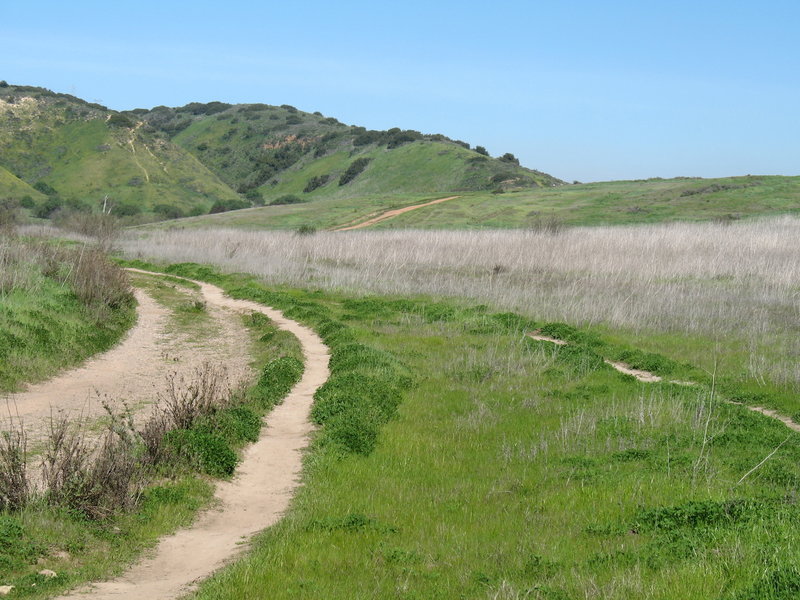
(65, 461)
(98, 282)
(95, 481)
(205, 392)
(103, 227)
(14, 484)
(116, 475)
(152, 435)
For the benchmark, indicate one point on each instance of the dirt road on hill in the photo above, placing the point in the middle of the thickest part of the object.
(134, 370)
(256, 497)
(393, 213)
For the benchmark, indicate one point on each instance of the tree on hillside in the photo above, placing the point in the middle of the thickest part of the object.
(510, 158)
(481, 150)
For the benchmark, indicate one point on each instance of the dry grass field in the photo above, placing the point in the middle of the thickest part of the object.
(706, 289)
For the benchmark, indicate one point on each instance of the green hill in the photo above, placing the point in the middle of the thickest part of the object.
(268, 151)
(78, 153)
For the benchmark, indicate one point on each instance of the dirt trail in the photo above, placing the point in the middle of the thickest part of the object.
(134, 370)
(648, 377)
(255, 499)
(393, 213)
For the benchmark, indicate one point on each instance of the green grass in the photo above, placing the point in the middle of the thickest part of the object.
(615, 202)
(512, 468)
(13, 187)
(44, 327)
(79, 549)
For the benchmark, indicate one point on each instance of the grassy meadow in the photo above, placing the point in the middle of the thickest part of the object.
(457, 457)
(511, 468)
(722, 296)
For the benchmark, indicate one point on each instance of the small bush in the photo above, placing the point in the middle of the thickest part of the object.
(120, 120)
(184, 402)
(306, 230)
(287, 199)
(98, 282)
(316, 182)
(340, 393)
(168, 211)
(14, 485)
(221, 206)
(238, 424)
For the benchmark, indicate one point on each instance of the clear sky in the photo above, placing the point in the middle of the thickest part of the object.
(586, 90)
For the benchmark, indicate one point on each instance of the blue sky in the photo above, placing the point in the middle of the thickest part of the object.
(583, 90)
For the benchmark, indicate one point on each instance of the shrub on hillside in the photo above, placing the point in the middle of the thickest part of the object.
(481, 150)
(354, 170)
(168, 211)
(287, 199)
(509, 158)
(48, 208)
(316, 182)
(120, 120)
(225, 205)
(306, 230)
(44, 188)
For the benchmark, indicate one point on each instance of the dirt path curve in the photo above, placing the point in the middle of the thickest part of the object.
(134, 370)
(393, 213)
(118, 372)
(255, 499)
(648, 377)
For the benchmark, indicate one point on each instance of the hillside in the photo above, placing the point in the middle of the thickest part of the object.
(614, 202)
(77, 153)
(14, 187)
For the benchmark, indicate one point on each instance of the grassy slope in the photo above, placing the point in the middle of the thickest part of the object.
(68, 145)
(517, 469)
(13, 187)
(615, 202)
(45, 328)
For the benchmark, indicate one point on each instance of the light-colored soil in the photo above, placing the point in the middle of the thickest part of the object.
(135, 370)
(255, 499)
(393, 213)
(547, 338)
(773, 414)
(647, 377)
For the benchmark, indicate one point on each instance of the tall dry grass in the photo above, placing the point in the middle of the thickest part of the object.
(739, 280)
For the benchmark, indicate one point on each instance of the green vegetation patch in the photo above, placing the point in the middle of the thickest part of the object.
(59, 306)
